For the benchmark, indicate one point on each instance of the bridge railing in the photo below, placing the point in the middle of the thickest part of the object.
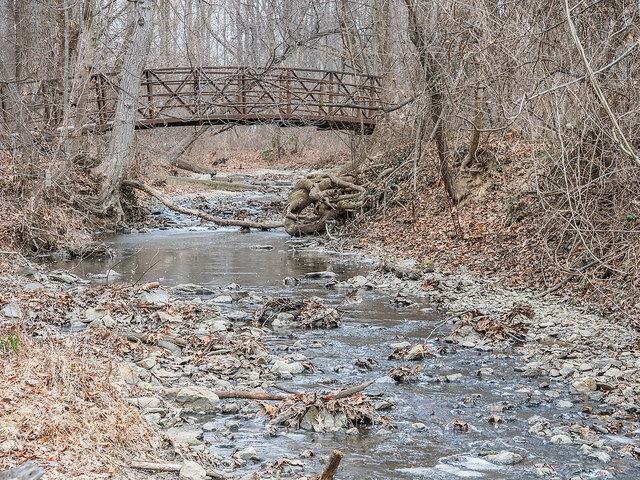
(194, 95)
(241, 94)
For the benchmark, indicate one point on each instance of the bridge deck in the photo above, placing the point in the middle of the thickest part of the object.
(222, 95)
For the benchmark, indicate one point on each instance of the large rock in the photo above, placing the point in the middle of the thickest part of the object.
(184, 435)
(293, 368)
(584, 385)
(196, 399)
(416, 353)
(505, 458)
(192, 471)
(320, 420)
(157, 297)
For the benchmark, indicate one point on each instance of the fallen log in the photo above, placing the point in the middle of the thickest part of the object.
(197, 213)
(251, 395)
(336, 395)
(332, 466)
(347, 392)
(171, 467)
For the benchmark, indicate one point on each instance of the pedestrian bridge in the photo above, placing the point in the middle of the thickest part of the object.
(328, 100)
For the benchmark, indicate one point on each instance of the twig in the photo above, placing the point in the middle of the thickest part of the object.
(558, 87)
(617, 133)
(566, 280)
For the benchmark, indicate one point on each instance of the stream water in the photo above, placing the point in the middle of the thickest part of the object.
(217, 258)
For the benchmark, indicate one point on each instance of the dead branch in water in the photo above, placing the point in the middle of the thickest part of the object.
(197, 213)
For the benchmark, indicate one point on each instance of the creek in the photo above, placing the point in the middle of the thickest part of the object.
(433, 450)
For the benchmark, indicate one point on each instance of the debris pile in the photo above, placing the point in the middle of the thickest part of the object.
(308, 314)
(512, 325)
(325, 412)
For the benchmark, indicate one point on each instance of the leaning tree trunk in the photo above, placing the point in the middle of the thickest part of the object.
(121, 145)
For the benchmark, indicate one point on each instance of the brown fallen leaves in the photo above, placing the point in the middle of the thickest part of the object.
(512, 325)
(63, 406)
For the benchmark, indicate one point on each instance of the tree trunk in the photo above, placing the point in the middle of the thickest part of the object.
(121, 145)
(435, 84)
(173, 156)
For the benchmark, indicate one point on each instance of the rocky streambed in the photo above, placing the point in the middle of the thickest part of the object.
(470, 379)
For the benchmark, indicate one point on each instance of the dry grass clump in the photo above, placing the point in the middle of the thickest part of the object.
(62, 406)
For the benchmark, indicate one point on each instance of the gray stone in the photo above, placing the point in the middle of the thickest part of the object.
(399, 345)
(293, 368)
(505, 458)
(232, 425)
(604, 457)
(63, 277)
(418, 426)
(560, 439)
(454, 377)
(358, 281)
(219, 325)
(320, 419)
(147, 363)
(190, 289)
(192, 471)
(91, 314)
(564, 404)
(184, 435)
(196, 399)
(224, 299)
(583, 385)
(144, 403)
(417, 352)
(157, 297)
(248, 453)
(30, 287)
(12, 310)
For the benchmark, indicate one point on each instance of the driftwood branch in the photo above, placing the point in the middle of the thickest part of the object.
(251, 395)
(349, 391)
(197, 213)
(170, 467)
(258, 395)
(566, 280)
(332, 466)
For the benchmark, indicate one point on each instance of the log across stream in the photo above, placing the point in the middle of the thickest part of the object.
(423, 441)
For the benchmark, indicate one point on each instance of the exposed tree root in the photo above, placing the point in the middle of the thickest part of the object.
(197, 213)
(321, 198)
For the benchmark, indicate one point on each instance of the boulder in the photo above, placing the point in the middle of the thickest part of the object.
(184, 435)
(196, 399)
(157, 297)
(192, 471)
(505, 458)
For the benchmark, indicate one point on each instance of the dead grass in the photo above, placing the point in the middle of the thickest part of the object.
(63, 406)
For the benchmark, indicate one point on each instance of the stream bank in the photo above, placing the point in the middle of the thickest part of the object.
(474, 410)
